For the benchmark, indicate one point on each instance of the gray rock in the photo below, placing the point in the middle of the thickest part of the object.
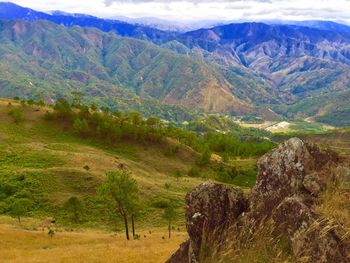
(209, 209)
(290, 179)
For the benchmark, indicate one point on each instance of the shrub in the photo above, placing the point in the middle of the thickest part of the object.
(205, 157)
(16, 114)
(194, 172)
(160, 202)
(81, 127)
(226, 175)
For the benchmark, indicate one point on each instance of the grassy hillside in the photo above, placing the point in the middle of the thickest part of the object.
(39, 157)
(47, 162)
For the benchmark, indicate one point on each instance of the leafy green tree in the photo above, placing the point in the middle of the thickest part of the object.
(120, 191)
(77, 97)
(81, 127)
(74, 206)
(136, 118)
(63, 108)
(20, 207)
(205, 157)
(152, 121)
(169, 215)
(93, 106)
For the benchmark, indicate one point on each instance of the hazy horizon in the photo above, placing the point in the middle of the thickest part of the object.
(186, 12)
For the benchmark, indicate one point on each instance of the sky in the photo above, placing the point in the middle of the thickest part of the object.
(187, 10)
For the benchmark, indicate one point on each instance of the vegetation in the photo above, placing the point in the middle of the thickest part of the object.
(75, 208)
(338, 118)
(120, 191)
(16, 114)
(20, 207)
(169, 215)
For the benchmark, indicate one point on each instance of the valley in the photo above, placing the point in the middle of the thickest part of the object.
(145, 140)
(297, 71)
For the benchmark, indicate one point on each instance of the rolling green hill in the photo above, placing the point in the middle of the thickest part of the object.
(47, 60)
(50, 155)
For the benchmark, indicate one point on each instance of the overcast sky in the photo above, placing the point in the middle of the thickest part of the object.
(336, 10)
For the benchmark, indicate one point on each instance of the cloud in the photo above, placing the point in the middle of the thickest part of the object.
(185, 10)
(110, 2)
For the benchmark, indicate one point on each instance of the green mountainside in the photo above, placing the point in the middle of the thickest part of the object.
(49, 155)
(45, 61)
(49, 61)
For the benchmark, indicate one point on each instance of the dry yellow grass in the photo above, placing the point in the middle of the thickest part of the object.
(21, 246)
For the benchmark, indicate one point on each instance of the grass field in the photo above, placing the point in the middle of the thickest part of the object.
(27, 246)
(53, 160)
(47, 161)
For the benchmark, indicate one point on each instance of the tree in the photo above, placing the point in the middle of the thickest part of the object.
(121, 191)
(81, 127)
(135, 210)
(205, 157)
(152, 121)
(20, 207)
(169, 215)
(77, 97)
(93, 106)
(62, 108)
(74, 206)
(16, 114)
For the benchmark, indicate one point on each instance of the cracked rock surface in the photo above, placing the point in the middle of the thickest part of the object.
(289, 181)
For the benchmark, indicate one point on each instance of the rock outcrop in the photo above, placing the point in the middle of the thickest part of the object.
(289, 182)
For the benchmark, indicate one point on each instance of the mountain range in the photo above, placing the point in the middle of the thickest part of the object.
(298, 70)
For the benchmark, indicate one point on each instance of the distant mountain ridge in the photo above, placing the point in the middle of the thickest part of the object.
(13, 11)
(51, 60)
(298, 70)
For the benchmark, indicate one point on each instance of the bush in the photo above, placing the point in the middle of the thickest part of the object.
(81, 127)
(227, 175)
(160, 202)
(194, 172)
(63, 108)
(16, 114)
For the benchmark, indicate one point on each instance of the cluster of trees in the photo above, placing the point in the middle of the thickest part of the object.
(119, 196)
(88, 122)
(111, 127)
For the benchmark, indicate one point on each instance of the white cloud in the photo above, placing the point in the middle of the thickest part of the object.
(202, 9)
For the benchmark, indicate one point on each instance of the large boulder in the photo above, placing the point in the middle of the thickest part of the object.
(209, 209)
(289, 182)
(294, 168)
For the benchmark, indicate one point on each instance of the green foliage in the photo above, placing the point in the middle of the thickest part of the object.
(63, 108)
(121, 193)
(75, 208)
(16, 114)
(81, 127)
(169, 214)
(252, 119)
(20, 207)
(227, 175)
(160, 202)
(205, 157)
(338, 118)
(194, 172)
